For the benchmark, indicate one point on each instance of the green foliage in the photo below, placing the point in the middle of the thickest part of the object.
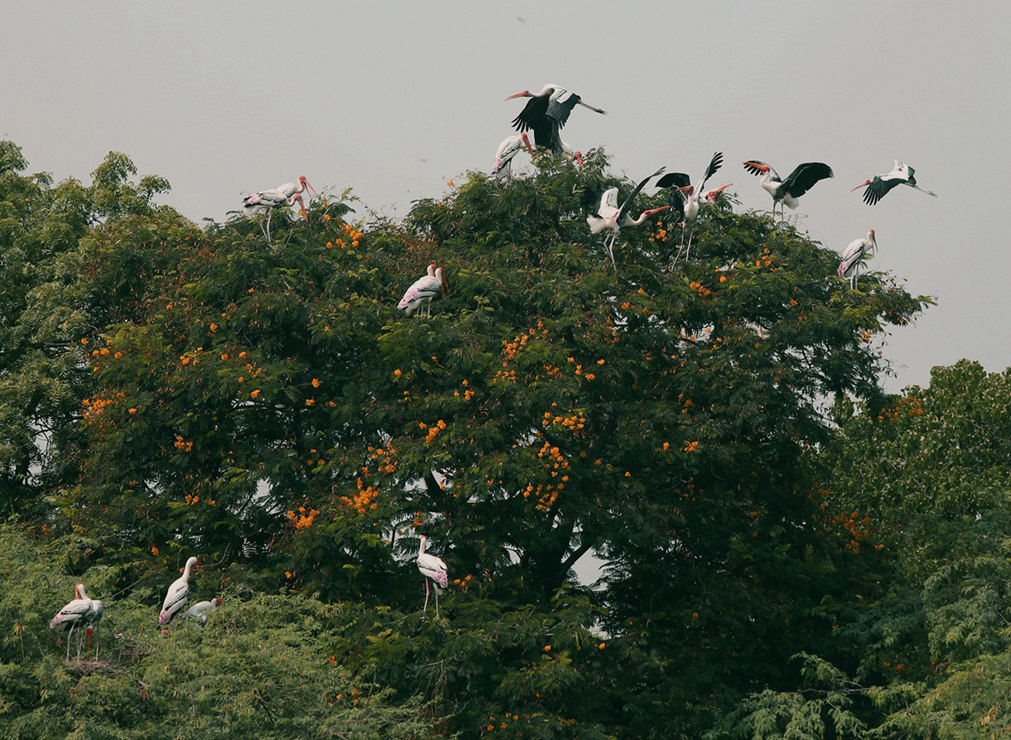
(174, 390)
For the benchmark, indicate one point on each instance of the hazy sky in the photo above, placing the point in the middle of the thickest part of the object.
(394, 99)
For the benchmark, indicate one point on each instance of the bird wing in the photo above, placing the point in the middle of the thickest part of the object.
(878, 188)
(535, 110)
(560, 105)
(421, 289)
(853, 253)
(434, 568)
(177, 595)
(507, 149)
(608, 203)
(675, 180)
(803, 178)
(750, 167)
(623, 213)
(71, 613)
(714, 164)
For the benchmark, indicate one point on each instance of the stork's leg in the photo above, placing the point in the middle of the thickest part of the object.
(270, 213)
(69, 635)
(436, 603)
(609, 246)
(425, 608)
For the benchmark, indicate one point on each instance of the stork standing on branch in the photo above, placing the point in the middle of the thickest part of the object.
(609, 216)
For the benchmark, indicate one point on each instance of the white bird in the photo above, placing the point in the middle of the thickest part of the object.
(854, 254)
(686, 196)
(177, 594)
(786, 192)
(878, 187)
(283, 195)
(71, 615)
(201, 610)
(423, 290)
(609, 216)
(434, 568)
(506, 152)
(546, 113)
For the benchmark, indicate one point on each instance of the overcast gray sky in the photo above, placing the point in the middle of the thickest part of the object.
(395, 98)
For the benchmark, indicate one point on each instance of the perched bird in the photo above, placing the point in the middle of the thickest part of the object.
(786, 192)
(854, 254)
(71, 615)
(177, 594)
(609, 216)
(423, 290)
(878, 187)
(283, 195)
(685, 196)
(434, 568)
(201, 610)
(546, 113)
(506, 152)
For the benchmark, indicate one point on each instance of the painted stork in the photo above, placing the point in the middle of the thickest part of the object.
(283, 195)
(201, 610)
(609, 216)
(685, 197)
(177, 594)
(546, 113)
(786, 192)
(878, 187)
(506, 152)
(72, 614)
(854, 254)
(434, 568)
(423, 290)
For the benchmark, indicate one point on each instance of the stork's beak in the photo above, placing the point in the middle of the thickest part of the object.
(651, 211)
(863, 184)
(524, 94)
(526, 140)
(301, 206)
(309, 185)
(579, 158)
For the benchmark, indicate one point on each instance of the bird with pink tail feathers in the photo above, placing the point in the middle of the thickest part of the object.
(283, 195)
(506, 152)
(81, 612)
(434, 568)
(423, 290)
(177, 594)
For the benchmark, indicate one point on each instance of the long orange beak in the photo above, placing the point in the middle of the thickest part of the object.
(526, 140)
(524, 94)
(651, 211)
(759, 167)
(863, 184)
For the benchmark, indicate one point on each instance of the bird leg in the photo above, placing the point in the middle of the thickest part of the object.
(425, 607)
(609, 246)
(436, 602)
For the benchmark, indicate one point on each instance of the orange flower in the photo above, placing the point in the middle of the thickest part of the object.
(255, 393)
(315, 382)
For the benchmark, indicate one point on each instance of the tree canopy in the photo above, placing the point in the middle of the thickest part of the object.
(712, 429)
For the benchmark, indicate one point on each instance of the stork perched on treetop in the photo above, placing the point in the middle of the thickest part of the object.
(612, 217)
(686, 196)
(283, 195)
(177, 594)
(432, 567)
(880, 185)
(546, 113)
(786, 192)
(506, 152)
(423, 290)
(854, 255)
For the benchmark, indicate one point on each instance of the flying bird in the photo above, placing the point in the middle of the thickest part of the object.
(177, 594)
(283, 195)
(879, 185)
(609, 216)
(854, 254)
(685, 196)
(201, 610)
(786, 192)
(506, 152)
(423, 290)
(434, 568)
(71, 615)
(546, 113)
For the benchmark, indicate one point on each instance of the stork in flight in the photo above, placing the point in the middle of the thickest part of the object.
(854, 254)
(878, 187)
(434, 568)
(423, 290)
(283, 195)
(546, 113)
(506, 152)
(609, 216)
(786, 192)
(686, 197)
